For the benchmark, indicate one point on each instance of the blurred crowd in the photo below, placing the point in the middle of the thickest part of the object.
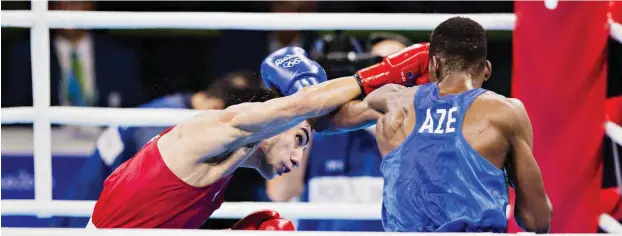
(153, 63)
(199, 69)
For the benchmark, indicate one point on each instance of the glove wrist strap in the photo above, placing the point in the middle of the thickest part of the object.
(301, 83)
(357, 77)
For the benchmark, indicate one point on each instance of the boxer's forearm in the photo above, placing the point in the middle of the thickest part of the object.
(533, 207)
(258, 121)
(359, 114)
(326, 97)
(537, 221)
(351, 116)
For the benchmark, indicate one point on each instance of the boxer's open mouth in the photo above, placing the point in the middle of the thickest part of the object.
(282, 170)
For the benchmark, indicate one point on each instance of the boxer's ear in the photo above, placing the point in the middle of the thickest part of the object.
(433, 69)
(487, 70)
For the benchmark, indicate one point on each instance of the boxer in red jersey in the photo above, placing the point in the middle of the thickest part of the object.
(177, 179)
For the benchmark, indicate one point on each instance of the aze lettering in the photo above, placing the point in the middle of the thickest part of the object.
(443, 126)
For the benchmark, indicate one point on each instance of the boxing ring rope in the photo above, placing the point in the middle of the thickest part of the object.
(42, 115)
(99, 116)
(246, 21)
(256, 21)
(228, 210)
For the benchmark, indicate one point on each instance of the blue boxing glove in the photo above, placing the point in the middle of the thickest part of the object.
(289, 70)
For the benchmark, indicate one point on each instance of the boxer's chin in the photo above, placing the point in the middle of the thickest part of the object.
(261, 165)
(266, 170)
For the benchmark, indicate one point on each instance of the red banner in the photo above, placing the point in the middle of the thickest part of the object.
(559, 73)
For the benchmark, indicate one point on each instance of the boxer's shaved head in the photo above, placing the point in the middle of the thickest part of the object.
(461, 45)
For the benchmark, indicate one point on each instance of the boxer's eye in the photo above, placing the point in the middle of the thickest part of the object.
(299, 140)
(303, 140)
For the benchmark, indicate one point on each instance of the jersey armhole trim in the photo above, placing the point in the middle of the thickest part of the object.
(463, 139)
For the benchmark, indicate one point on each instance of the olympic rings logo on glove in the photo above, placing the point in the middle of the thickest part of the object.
(291, 63)
(280, 61)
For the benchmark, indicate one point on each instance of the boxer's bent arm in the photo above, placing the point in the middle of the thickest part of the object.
(358, 114)
(533, 208)
(260, 121)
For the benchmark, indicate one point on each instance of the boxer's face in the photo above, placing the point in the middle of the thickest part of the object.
(284, 151)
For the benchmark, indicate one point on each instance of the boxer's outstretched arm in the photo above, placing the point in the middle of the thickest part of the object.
(533, 208)
(206, 137)
(358, 114)
(259, 121)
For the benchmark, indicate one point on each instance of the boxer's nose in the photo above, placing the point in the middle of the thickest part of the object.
(295, 163)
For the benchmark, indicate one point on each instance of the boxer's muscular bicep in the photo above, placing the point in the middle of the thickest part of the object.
(351, 116)
(258, 121)
(358, 114)
(533, 207)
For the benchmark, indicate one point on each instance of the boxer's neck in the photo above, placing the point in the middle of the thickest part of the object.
(457, 82)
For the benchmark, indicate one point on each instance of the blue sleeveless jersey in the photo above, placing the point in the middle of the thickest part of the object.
(435, 181)
(343, 168)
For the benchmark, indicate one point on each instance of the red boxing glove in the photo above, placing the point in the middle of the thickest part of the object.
(424, 78)
(406, 67)
(277, 225)
(264, 220)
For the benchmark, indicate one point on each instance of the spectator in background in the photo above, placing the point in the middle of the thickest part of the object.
(86, 69)
(253, 46)
(283, 38)
(340, 168)
(118, 144)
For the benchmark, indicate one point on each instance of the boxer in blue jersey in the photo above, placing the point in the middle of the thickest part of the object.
(447, 145)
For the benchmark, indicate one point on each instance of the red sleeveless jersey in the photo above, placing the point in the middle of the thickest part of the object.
(144, 193)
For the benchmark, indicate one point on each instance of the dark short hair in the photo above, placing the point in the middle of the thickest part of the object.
(239, 87)
(461, 42)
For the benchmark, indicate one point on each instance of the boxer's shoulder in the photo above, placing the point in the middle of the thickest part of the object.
(388, 97)
(492, 102)
(504, 112)
(201, 127)
(203, 136)
(400, 102)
